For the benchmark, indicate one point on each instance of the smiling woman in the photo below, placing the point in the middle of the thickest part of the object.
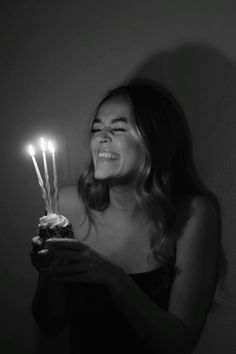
(138, 276)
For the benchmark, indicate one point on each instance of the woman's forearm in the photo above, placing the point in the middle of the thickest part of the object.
(48, 306)
(163, 332)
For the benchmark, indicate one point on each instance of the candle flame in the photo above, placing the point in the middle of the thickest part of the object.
(51, 147)
(31, 150)
(43, 144)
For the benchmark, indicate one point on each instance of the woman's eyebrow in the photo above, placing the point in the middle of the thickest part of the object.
(114, 120)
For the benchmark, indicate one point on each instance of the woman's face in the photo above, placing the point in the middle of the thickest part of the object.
(116, 155)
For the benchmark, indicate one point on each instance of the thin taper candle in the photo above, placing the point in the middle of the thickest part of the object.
(43, 148)
(55, 181)
(40, 180)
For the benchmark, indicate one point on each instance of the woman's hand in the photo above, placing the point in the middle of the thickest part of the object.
(40, 255)
(81, 263)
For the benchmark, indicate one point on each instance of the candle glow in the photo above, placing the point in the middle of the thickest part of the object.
(51, 147)
(31, 150)
(43, 144)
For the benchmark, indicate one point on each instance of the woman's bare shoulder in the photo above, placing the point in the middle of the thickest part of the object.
(196, 207)
(195, 201)
(202, 205)
(198, 222)
(193, 214)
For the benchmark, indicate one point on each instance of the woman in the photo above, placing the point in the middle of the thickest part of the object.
(142, 270)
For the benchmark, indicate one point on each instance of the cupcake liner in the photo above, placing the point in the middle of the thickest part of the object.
(55, 232)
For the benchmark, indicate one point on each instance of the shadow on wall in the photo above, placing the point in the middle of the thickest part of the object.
(203, 81)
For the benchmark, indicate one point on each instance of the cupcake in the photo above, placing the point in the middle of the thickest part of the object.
(54, 225)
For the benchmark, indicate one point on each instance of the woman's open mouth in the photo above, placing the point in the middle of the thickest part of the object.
(108, 156)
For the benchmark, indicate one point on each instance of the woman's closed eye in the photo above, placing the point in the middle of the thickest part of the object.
(93, 130)
(118, 130)
(97, 130)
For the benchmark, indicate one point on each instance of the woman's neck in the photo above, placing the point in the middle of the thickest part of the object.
(122, 198)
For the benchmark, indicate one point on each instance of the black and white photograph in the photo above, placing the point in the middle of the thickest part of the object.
(118, 176)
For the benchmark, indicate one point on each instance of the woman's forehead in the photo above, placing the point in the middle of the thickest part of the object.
(114, 108)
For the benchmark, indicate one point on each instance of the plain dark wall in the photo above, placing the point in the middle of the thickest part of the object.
(58, 58)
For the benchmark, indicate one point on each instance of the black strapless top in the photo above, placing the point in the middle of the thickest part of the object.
(98, 325)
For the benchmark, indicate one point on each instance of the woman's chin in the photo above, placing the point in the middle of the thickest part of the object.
(101, 174)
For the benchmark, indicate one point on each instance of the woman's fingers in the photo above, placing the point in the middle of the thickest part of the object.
(36, 243)
(74, 255)
(66, 243)
(40, 258)
(65, 254)
(39, 262)
(43, 252)
(71, 260)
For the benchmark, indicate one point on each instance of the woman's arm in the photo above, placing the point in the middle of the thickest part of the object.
(178, 330)
(48, 306)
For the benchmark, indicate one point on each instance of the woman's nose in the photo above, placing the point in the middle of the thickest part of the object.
(105, 137)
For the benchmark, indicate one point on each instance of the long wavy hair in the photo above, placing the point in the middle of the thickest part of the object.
(167, 172)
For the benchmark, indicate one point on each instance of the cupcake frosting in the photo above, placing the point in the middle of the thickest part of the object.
(52, 220)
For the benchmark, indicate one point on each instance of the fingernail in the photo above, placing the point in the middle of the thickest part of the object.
(43, 252)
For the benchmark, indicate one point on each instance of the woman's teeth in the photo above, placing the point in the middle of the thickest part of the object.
(109, 155)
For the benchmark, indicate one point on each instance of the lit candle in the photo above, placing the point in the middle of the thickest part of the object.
(40, 180)
(43, 148)
(51, 148)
